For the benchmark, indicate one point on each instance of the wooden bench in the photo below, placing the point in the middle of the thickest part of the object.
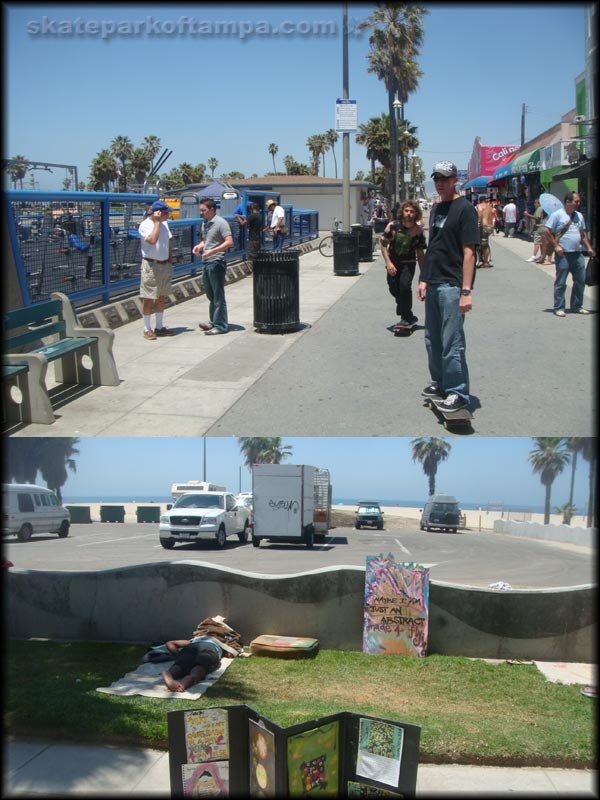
(25, 361)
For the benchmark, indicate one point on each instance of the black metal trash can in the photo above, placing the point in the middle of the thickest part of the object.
(345, 253)
(276, 283)
(365, 241)
(381, 224)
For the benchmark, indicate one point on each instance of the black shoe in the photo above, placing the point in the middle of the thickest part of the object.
(432, 390)
(164, 332)
(453, 402)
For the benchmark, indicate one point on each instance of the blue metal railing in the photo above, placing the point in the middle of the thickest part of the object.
(86, 244)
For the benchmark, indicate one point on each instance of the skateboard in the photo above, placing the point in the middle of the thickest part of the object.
(404, 330)
(460, 419)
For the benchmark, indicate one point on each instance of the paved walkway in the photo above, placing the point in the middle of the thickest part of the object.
(337, 374)
(35, 767)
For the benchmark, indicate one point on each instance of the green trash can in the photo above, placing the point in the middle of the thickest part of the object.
(112, 513)
(148, 513)
(79, 514)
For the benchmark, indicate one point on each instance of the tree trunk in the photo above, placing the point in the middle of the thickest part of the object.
(334, 160)
(591, 515)
(573, 468)
(547, 504)
(432, 483)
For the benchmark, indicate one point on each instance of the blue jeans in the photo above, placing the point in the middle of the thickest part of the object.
(214, 283)
(445, 339)
(575, 264)
(278, 241)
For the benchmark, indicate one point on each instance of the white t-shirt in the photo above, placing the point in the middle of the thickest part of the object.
(160, 250)
(278, 214)
(510, 213)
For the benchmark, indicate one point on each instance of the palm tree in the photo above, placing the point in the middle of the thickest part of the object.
(574, 445)
(589, 453)
(288, 163)
(122, 148)
(395, 40)
(17, 169)
(50, 456)
(141, 164)
(263, 450)
(317, 146)
(151, 145)
(430, 451)
(55, 457)
(548, 460)
(212, 165)
(331, 137)
(273, 149)
(567, 510)
(375, 136)
(103, 170)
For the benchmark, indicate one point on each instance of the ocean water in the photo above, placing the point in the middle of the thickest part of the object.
(345, 501)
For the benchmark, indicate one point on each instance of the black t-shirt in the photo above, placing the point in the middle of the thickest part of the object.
(255, 226)
(452, 225)
(403, 247)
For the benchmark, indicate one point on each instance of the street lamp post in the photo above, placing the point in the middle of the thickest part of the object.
(397, 106)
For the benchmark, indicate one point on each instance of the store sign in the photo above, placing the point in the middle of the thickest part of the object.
(493, 156)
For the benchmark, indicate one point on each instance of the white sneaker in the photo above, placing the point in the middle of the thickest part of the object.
(533, 258)
(560, 313)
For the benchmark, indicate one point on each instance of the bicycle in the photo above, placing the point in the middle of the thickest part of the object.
(326, 245)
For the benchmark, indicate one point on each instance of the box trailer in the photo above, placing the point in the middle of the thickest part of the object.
(291, 503)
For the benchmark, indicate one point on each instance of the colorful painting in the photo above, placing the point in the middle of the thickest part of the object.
(396, 607)
(262, 761)
(356, 789)
(314, 762)
(206, 780)
(206, 735)
(379, 751)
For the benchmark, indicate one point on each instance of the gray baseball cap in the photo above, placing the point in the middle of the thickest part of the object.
(445, 168)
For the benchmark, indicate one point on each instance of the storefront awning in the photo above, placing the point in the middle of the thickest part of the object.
(526, 163)
(480, 182)
(503, 171)
(582, 170)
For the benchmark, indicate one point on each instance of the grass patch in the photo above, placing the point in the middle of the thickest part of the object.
(469, 711)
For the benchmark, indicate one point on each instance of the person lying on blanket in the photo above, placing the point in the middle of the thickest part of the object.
(197, 657)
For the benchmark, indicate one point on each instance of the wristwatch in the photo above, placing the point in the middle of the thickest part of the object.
(466, 292)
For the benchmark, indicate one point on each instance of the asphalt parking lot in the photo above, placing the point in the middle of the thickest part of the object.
(467, 558)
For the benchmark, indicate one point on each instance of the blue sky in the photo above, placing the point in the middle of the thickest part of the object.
(229, 97)
(479, 470)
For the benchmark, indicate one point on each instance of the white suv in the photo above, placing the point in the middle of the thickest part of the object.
(204, 516)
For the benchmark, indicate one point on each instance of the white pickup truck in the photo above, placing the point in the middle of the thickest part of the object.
(204, 516)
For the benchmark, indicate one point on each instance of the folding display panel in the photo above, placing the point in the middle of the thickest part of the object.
(231, 751)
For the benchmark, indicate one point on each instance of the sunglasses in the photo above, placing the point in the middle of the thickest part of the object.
(438, 178)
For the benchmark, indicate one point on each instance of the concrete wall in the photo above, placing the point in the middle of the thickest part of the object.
(328, 201)
(156, 602)
(550, 533)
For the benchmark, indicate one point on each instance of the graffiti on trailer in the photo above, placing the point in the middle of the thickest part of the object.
(291, 506)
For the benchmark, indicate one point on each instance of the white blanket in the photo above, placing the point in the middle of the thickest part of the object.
(146, 680)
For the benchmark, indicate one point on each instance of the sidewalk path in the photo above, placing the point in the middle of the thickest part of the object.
(344, 373)
(35, 767)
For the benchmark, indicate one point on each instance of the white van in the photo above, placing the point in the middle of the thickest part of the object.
(29, 509)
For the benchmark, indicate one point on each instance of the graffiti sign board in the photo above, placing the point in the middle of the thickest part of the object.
(396, 610)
